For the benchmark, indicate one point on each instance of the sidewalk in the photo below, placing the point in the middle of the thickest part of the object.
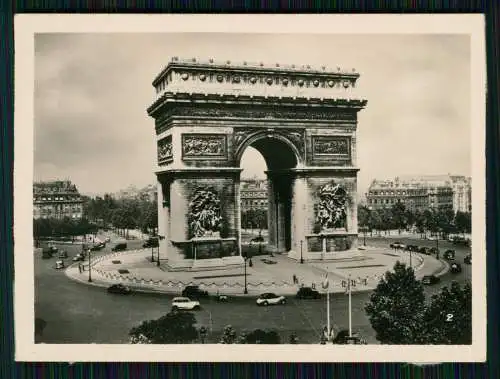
(142, 275)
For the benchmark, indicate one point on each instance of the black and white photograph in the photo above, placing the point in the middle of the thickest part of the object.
(307, 184)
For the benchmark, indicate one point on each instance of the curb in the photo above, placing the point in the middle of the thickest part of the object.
(444, 269)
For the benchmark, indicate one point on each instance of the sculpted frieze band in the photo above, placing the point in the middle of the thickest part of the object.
(259, 113)
(204, 146)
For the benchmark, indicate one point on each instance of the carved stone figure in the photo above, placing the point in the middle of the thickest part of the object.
(332, 206)
(204, 213)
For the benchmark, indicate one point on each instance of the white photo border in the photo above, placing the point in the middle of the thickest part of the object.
(25, 28)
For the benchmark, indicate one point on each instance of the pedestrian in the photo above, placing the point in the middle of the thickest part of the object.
(294, 278)
(80, 267)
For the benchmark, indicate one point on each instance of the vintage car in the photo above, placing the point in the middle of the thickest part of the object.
(119, 289)
(270, 299)
(307, 293)
(185, 303)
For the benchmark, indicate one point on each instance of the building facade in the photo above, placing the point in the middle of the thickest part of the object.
(57, 199)
(254, 194)
(421, 192)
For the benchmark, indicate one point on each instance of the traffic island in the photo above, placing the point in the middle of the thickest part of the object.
(284, 277)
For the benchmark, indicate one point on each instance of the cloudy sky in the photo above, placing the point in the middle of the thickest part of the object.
(92, 91)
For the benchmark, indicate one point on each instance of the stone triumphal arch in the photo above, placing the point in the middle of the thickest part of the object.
(302, 120)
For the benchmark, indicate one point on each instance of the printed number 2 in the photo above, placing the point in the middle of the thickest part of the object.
(449, 317)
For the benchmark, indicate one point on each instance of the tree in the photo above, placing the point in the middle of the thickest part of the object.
(396, 307)
(448, 318)
(398, 213)
(228, 335)
(174, 327)
(463, 222)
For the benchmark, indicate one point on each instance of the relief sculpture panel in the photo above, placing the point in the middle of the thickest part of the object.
(204, 217)
(331, 209)
(165, 154)
(325, 147)
(202, 146)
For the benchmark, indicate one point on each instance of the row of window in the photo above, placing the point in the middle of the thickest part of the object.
(57, 198)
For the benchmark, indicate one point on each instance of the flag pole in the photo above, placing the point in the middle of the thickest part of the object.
(350, 307)
(328, 311)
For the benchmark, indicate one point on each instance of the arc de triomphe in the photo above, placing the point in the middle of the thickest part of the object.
(302, 120)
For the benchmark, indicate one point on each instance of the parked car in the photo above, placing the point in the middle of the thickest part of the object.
(461, 241)
(430, 280)
(307, 293)
(343, 338)
(62, 254)
(270, 299)
(455, 268)
(222, 298)
(257, 239)
(78, 257)
(59, 264)
(119, 289)
(424, 250)
(449, 255)
(434, 250)
(468, 259)
(268, 261)
(412, 248)
(120, 247)
(185, 303)
(194, 292)
(98, 246)
(397, 245)
(151, 242)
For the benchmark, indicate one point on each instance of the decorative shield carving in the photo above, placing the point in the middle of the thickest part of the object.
(331, 208)
(204, 213)
(165, 150)
(201, 146)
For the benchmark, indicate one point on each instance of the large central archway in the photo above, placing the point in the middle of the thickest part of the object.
(302, 121)
(281, 157)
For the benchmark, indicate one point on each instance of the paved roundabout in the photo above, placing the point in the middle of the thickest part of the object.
(267, 274)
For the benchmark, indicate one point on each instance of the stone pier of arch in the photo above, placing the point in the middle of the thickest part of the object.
(207, 114)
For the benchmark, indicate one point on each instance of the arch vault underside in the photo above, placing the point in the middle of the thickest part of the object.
(309, 145)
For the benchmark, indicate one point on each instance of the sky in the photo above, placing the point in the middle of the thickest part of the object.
(92, 91)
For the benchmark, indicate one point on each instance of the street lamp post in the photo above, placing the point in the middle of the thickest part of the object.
(158, 260)
(90, 266)
(301, 257)
(245, 258)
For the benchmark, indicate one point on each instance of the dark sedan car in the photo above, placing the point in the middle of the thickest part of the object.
(424, 250)
(430, 280)
(455, 268)
(307, 293)
(120, 247)
(119, 289)
(194, 292)
(449, 255)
